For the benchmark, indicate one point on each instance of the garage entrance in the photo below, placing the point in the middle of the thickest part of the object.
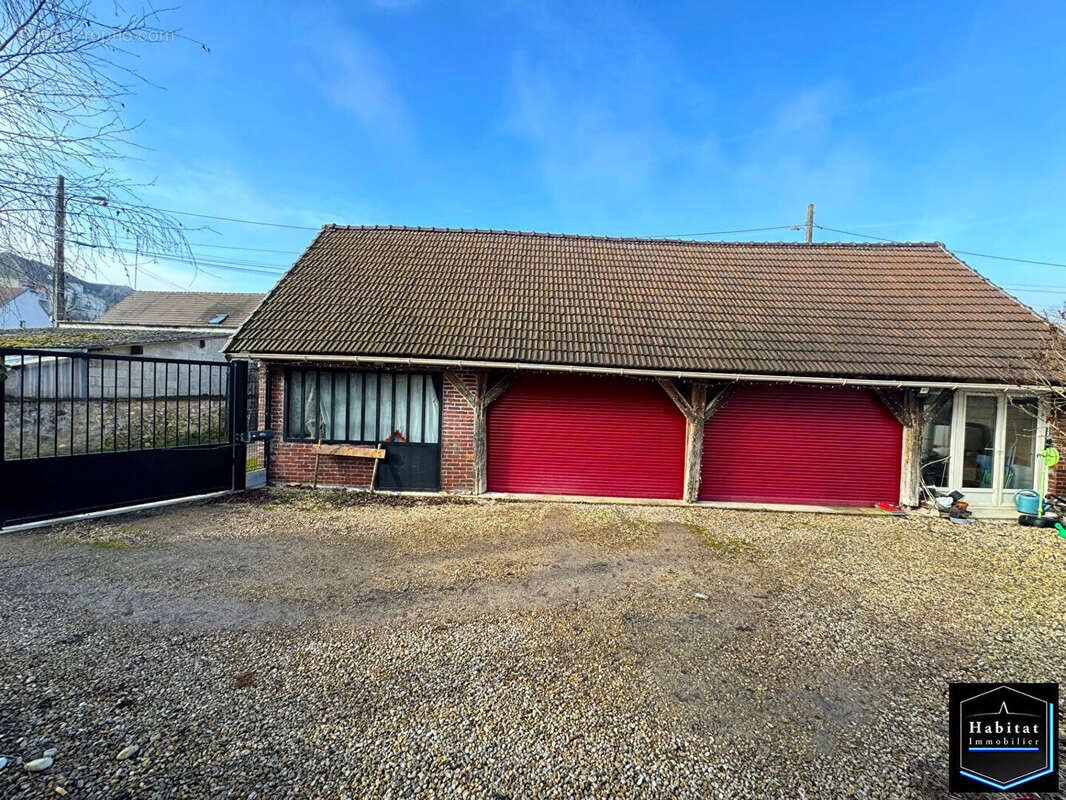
(586, 435)
(802, 444)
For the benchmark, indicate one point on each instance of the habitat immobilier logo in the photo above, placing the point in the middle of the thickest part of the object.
(1003, 737)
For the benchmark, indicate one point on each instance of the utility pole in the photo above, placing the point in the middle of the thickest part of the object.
(810, 223)
(59, 282)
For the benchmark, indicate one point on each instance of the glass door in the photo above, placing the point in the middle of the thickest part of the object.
(994, 442)
(979, 428)
(1021, 445)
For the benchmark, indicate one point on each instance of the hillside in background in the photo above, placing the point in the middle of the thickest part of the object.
(85, 300)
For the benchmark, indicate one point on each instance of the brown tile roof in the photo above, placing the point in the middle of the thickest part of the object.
(184, 309)
(9, 293)
(877, 310)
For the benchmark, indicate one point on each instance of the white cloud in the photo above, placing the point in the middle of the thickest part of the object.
(354, 79)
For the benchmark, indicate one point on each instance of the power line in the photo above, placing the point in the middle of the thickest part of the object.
(723, 233)
(1007, 258)
(290, 226)
(250, 267)
(236, 247)
(961, 252)
(1043, 289)
(852, 233)
(265, 269)
(204, 216)
(163, 280)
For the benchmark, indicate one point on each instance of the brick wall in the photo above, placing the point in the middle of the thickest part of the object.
(294, 462)
(457, 438)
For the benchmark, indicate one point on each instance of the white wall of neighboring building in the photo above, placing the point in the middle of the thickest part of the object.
(188, 349)
(24, 311)
(107, 378)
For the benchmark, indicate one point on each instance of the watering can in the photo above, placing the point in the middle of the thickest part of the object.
(1027, 502)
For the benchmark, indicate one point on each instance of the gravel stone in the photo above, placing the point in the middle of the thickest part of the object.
(37, 764)
(301, 644)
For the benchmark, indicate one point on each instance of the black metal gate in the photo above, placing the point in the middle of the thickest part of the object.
(85, 432)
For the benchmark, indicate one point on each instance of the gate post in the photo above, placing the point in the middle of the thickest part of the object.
(237, 404)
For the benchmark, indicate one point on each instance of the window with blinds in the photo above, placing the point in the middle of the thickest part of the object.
(337, 405)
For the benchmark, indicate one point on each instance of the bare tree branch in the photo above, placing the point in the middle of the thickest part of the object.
(65, 74)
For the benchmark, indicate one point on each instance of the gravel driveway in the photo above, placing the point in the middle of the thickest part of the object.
(292, 643)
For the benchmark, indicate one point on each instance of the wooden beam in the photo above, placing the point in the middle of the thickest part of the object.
(674, 394)
(493, 394)
(895, 405)
(696, 410)
(479, 400)
(913, 415)
(481, 451)
(348, 450)
(933, 408)
(461, 387)
(719, 400)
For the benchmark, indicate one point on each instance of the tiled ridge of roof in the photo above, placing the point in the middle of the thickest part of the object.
(602, 237)
(166, 292)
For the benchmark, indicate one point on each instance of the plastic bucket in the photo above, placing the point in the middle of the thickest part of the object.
(1027, 502)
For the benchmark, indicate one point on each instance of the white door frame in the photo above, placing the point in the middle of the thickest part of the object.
(996, 495)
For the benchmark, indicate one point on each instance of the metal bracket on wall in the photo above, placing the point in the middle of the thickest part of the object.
(256, 436)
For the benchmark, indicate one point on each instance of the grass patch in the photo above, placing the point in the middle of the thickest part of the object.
(613, 526)
(106, 544)
(724, 545)
(117, 537)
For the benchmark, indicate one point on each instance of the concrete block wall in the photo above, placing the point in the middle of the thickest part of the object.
(294, 462)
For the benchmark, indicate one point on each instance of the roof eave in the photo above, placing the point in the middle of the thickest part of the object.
(438, 363)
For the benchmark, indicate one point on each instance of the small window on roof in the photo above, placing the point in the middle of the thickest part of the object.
(218, 319)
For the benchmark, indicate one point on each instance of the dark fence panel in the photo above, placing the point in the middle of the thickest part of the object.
(43, 488)
(83, 431)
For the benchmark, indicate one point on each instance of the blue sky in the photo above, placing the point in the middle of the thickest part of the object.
(914, 121)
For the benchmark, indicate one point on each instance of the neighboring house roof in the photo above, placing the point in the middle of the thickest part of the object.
(9, 293)
(89, 339)
(182, 309)
(904, 311)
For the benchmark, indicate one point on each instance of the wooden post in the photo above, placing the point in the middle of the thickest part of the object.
(59, 283)
(696, 411)
(694, 443)
(909, 410)
(911, 462)
(479, 400)
(481, 446)
(810, 223)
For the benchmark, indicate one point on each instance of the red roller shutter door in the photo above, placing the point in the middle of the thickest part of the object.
(608, 437)
(800, 444)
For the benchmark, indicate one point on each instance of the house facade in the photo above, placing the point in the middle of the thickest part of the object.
(22, 307)
(522, 363)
